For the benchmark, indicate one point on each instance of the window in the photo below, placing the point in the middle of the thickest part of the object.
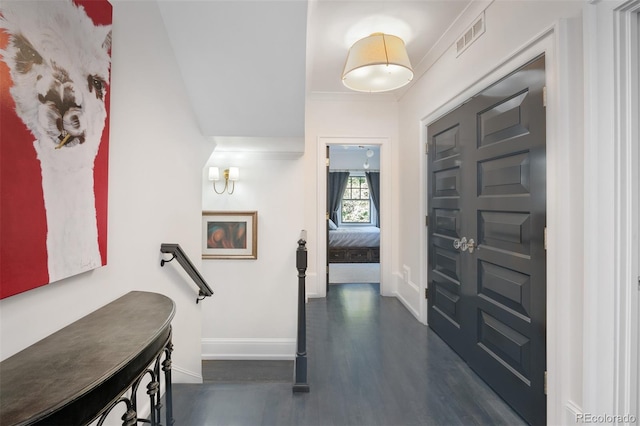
(356, 204)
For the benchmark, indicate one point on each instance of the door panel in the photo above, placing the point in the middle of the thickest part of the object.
(446, 183)
(488, 183)
(447, 143)
(447, 222)
(445, 299)
(506, 344)
(504, 176)
(502, 121)
(504, 230)
(506, 288)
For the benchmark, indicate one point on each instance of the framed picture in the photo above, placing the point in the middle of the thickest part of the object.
(54, 149)
(229, 235)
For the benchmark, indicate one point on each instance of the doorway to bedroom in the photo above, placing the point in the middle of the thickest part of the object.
(353, 209)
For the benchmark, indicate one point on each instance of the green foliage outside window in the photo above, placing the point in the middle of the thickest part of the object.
(356, 204)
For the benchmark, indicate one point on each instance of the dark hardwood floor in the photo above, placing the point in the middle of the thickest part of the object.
(247, 371)
(370, 363)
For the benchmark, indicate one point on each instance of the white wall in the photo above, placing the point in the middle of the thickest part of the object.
(515, 32)
(154, 197)
(253, 313)
(348, 121)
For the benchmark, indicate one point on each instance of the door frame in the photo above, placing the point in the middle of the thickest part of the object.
(612, 185)
(385, 209)
(563, 344)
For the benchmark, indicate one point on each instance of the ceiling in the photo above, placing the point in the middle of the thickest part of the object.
(249, 65)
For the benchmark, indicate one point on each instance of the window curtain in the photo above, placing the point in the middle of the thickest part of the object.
(337, 184)
(373, 179)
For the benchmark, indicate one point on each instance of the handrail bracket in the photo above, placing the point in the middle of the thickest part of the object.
(163, 261)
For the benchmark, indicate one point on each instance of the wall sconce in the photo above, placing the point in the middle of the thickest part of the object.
(231, 174)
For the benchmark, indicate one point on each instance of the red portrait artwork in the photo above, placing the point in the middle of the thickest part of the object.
(55, 63)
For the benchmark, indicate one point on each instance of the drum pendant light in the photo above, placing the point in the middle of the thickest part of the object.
(377, 63)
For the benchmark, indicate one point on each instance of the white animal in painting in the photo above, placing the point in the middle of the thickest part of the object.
(59, 64)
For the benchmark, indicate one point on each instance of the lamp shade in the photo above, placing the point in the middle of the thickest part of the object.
(377, 63)
(214, 173)
(234, 173)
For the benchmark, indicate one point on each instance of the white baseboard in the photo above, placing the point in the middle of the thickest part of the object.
(249, 349)
(407, 291)
(408, 305)
(182, 375)
(572, 411)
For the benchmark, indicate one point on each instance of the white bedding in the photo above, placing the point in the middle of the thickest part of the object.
(356, 236)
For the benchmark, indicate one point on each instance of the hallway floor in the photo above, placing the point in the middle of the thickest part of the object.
(370, 363)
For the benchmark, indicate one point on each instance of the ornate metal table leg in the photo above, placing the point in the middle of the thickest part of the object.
(130, 418)
(153, 388)
(166, 367)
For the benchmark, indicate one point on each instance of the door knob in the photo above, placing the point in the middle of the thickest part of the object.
(471, 245)
(458, 243)
(463, 244)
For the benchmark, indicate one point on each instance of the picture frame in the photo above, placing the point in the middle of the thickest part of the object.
(229, 235)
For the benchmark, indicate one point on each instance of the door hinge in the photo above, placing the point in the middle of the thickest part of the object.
(545, 237)
(426, 222)
(327, 215)
(426, 150)
(426, 293)
(544, 96)
(545, 382)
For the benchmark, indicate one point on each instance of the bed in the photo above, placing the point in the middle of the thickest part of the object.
(356, 244)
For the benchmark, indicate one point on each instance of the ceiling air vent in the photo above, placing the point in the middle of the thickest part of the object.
(470, 35)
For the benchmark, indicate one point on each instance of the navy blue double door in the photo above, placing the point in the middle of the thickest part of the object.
(487, 222)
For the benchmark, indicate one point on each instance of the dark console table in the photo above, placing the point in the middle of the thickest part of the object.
(81, 372)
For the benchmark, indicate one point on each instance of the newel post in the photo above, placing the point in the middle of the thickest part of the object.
(301, 384)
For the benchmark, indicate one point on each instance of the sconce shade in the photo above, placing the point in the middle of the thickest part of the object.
(377, 63)
(234, 173)
(214, 173)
